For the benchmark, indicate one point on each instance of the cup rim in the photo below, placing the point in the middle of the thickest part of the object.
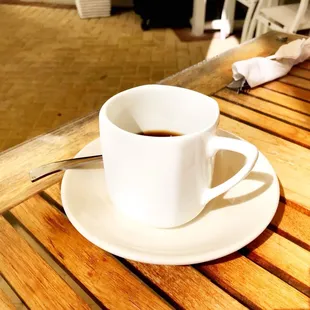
(103, 112)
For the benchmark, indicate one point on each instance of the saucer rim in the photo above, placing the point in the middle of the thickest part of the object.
(170, 259)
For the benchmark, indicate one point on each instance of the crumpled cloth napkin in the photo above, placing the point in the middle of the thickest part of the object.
(259, 70)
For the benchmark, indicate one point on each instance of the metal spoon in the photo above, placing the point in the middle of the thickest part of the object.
(45, 170)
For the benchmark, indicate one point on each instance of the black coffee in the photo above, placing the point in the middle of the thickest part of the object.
(159, 133)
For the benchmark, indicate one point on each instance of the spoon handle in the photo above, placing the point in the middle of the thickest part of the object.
(42, 171)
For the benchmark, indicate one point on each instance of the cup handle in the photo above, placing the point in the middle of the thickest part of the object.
(217, 143)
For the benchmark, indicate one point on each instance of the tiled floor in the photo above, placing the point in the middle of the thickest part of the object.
(55, 67)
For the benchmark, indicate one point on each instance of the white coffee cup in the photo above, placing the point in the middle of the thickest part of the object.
(164, 181)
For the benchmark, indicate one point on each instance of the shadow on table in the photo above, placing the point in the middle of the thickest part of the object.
(227, 164)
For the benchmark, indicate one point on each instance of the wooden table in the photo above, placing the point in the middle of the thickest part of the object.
(273, 272)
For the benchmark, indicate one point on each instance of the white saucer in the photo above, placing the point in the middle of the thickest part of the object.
(227, 224)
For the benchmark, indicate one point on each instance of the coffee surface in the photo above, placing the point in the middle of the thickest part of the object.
(159, 133)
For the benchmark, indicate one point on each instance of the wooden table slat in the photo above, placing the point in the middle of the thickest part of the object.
(108, 280)
(175, 280)
(266, 123)
(300, 72)
(290, 161)
(277, 254)
(270, 273)
(206, 77)
(290, 90)
(16, 163)
(5, 302)
(253, 285)
(296, 81)
(261, 106)
(187, 287)
(305, 65)
(209, 77)
(292, 224)
(36, 283)
(54, 192)
(281, 99)
(288, 221)
(283, 258)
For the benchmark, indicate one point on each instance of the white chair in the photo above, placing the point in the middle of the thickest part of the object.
(286, 18)
(226, 23)
(228, 15)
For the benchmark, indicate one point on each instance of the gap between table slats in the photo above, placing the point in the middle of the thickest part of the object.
(281, 257)
(38, 285)
(290, 221)
(50, 227)
(267, 108)
(109, 281)
(252, 284)
(263, 122)
(283, 100)
(292, 224)
(300, 72)
(290, 90)
(296, 81)
(290, 161)
(188, 288)
(45, 255)
(294, 261)
(22, 212)
(304, 65)
(5, 302)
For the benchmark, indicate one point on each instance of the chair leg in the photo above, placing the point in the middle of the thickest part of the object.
(247, 21)
(254, 22)
(259, 29)
(250, 34)
(227, 18)
(198, 20)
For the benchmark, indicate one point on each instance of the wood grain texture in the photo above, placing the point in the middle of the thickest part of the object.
(109, 281)
(275, 253)
(303, 73)
(36, 283)
(305, 65)
(264, 122)
(289, 90)
(290, 161)
(271, 251)
(16, 163)
(283, 258)
(54, 192)
(296, 81)
(5, 303)
(206, 77)
(183, 284)
(253, 285)
(280, 256)
(270, 109)
(187, 287)
(281, 99)
(292, 224)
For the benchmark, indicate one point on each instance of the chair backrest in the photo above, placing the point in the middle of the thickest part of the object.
(247, 2)
(303, 6)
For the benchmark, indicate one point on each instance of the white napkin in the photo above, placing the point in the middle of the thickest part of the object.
(260, 70)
